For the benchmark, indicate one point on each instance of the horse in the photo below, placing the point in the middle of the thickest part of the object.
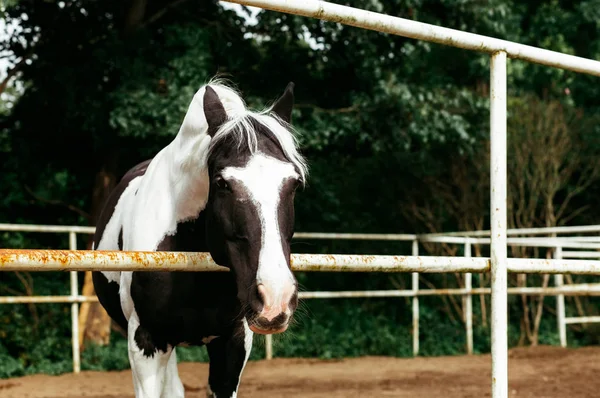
(225, 185)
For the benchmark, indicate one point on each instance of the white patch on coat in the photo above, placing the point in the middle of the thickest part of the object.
(172, 386)
(263, 177)
(125, 294)
(248, 335)
(112, 230)
(151, 374)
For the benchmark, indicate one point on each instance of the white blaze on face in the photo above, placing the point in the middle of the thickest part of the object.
(262, 177)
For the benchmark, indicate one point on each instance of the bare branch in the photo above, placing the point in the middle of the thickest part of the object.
(349, 109)
(157, 15)
(58, 203)
(134, 16)
(539, 311)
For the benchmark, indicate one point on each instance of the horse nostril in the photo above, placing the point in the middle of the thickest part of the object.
(293, 304)
(264, 296)
(256, 301)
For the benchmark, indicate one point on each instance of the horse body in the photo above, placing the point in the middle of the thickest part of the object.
(226, 185)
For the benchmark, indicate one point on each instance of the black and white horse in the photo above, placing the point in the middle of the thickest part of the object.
(225, 185)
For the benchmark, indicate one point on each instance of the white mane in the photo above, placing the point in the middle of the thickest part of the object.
(239, 126)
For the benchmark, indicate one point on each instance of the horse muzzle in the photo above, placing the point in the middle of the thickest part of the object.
(276, 311)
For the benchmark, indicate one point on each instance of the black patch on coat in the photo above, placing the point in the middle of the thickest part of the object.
(146, 342)
(120, 239)
(108, 295)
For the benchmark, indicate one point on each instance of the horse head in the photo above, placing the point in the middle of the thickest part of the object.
(254, 169)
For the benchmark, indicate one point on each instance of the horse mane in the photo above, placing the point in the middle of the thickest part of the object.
(240, 127)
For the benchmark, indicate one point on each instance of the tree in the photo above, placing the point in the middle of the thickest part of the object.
(549, 165)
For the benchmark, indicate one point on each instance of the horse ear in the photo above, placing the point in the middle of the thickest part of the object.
(213, 110)
(283, 106)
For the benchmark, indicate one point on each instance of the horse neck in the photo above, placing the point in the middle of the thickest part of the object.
(176, 184)
(188, 176)
(187, 156)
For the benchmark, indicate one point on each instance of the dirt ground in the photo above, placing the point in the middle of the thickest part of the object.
(534, 372)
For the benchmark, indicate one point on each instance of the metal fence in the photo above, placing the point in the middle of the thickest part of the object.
(498, 263)
(498, 50)
(84, 260)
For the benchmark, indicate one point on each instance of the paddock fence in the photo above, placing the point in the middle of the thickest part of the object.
(518, 237)
(499, 51)
(498, 264)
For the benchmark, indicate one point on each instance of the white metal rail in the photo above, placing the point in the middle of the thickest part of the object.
(414, 293)
(417, 30)
(499, 50)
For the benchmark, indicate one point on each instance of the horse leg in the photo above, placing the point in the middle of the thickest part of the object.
(228, 356)
(148, 363)
(173, 387)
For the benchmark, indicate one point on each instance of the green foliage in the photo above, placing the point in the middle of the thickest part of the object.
(111, 357)
(9, 366)
(384, 121)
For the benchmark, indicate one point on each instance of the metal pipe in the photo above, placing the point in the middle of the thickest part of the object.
(360, 236)
(268, 347)
(570, 290)
(575, 254)
(560, 303)
(498, 220)
(47, 299)
(551, 242)
(87, 260)
(415, 302)
(595, 239)
(358, 263)
(592, 289)
(459, 240)
(583, 319)
(544, 266)
(422, 31)
(351, 236)
(524, 231)
(356, 236)
(468, 303)
(64, 260)
(46, 228)
(74, 310)
(83, 260)
(530, 242)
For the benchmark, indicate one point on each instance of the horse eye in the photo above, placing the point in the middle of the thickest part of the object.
(221, 183)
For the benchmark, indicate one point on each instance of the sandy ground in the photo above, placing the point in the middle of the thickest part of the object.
(534, 372)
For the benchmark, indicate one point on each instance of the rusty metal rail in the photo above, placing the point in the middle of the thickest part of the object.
(87, 260)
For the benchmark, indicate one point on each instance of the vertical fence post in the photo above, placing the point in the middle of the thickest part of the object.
(498, 220)
(468, 302)
(269, 346)
(415, 301)
(74, 310)
(560, 303)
